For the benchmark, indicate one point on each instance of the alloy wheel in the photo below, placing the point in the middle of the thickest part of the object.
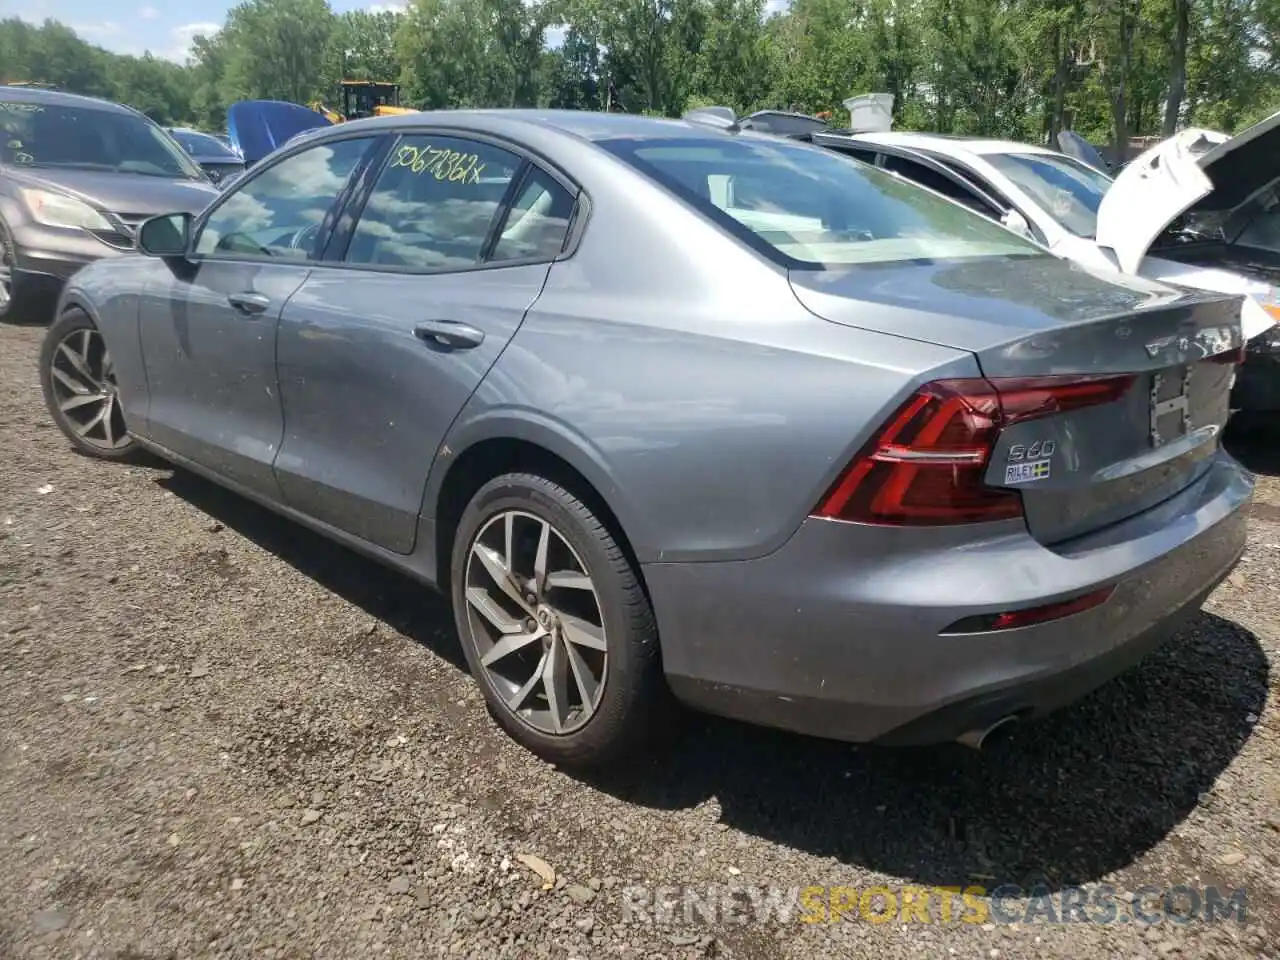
(84, 388)
(536, 622)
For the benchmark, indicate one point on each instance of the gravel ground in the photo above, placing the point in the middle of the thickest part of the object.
(223, 736)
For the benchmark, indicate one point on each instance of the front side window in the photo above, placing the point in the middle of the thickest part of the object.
(811, 208)
(278, 213)
(53, 136)
(433, 205)
(1069, 191)
(939, 182)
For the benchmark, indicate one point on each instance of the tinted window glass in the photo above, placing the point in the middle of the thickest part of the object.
(278, 213)
(1069, 191)
(928, 177)
(812, 207)
(49, 135)
(538, 221)
(433, 205)
(966, 176)
(1263, 231)
(202, 145)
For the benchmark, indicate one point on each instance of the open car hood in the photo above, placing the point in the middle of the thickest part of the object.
(1194, 170)
(257, 127)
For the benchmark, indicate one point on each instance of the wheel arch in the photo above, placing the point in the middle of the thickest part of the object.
(525, 442)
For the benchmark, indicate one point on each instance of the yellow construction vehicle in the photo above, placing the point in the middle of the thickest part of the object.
(363, 98)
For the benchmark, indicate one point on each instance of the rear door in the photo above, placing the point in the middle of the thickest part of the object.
(208, 325)
(381, 347)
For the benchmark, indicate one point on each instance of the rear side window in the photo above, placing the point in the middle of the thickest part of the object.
(434, 204)
(809, 208)
(538, 221)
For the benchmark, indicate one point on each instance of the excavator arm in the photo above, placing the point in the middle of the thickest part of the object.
(331, 115)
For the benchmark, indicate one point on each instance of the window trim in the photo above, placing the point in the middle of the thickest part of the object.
(327, 224)
(339, 242)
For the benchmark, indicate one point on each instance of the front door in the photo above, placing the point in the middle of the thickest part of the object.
(378, 354)
(208, 325)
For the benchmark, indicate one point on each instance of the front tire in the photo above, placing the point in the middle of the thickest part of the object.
(9, 305)
(555, 625)
(79, 385)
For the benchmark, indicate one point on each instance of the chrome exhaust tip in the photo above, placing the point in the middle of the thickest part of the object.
(976, 738)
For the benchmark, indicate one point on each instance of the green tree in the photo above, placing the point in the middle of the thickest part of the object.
(279, 49)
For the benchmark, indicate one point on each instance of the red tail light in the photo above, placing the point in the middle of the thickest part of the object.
(925, 466)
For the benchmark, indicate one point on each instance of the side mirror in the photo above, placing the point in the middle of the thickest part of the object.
(1016, 222)
(165, 236)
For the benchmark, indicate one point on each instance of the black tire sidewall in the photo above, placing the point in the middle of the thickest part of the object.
(608, 730)
(9, 312)
(70, 321)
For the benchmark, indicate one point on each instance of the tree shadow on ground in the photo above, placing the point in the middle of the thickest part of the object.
(1064, 800)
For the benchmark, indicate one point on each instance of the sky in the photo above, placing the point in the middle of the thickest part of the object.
(166, 27)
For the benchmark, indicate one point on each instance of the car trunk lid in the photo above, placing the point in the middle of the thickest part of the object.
(1023, 318)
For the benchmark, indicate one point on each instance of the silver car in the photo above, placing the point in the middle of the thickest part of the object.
(676, 414)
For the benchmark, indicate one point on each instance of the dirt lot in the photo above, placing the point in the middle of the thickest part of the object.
(222, 736)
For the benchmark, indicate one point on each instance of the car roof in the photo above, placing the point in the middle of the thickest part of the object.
(61, 99)
(945, 143)
(583, 124)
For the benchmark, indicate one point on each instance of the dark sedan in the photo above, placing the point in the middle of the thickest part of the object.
(218, 160)
(77, 175)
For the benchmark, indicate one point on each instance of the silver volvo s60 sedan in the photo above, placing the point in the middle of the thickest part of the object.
(677, 414)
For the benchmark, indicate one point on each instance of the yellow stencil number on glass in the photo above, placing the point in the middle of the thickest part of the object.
(443, 164)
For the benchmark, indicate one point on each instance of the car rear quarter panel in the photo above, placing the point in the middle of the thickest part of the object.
(677, 371)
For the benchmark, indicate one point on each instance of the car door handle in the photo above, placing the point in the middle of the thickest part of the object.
(249, 302)
(449, 333)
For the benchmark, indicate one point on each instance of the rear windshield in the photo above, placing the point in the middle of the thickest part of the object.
(811, 208)
(49, 135)
(1069, 191)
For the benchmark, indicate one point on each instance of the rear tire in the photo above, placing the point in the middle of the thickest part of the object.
(566, 651)
(79, 386)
